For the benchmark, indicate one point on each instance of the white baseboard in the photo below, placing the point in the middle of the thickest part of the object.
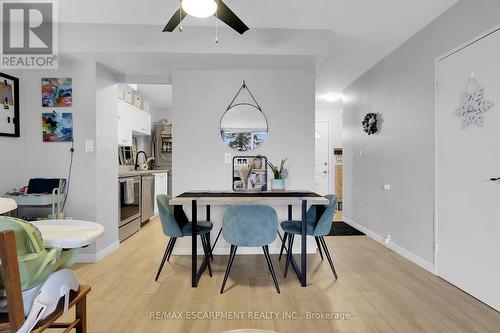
(428, 266)
(95, 257)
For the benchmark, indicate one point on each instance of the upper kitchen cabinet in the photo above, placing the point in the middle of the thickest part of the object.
(124, 126)
(141, 122)
(131, 120)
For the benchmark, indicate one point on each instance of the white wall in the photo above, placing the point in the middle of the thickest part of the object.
(200, 99)
(92, 196)
(332, 113)
(401, 88)
(31, 157)
(107, 158)
(158, 114)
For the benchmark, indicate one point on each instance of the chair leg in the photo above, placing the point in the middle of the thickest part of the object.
(81, 314)
(327, 253)
(229, 265)
(207, 254)
(319, 247)
(271, 268)
(165, 255)
(283, 245)
(216, 239)
(207, 237)
(289, 253)
(171, 248)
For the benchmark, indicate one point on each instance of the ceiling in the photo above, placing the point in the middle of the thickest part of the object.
(340, 38)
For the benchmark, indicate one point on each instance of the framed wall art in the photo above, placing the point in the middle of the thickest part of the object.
(57, 127)
(57, 92)
(9, 109)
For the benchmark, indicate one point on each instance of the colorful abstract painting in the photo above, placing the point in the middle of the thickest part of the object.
(57, 127)
(57, 92)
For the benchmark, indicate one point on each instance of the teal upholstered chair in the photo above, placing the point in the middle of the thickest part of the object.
(317, 229)
(174, 230)
(249, 226)
(311, 218)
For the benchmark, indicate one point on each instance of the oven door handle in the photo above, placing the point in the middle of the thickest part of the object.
(122, 181)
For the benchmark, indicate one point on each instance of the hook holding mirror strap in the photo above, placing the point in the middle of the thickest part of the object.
(244, 86)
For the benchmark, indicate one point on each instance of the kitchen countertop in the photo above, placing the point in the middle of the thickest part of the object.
(129, 173)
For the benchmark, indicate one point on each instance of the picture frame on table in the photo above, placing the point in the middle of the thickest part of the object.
(9, 107)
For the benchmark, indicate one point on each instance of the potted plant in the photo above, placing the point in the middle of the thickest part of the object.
(278, 183)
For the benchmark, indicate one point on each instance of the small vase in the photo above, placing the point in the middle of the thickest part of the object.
(257, 164)
(278, 184)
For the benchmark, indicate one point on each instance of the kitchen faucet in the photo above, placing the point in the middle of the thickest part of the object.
(137, 158)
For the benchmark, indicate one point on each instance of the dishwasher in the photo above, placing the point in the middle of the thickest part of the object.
(148, 197)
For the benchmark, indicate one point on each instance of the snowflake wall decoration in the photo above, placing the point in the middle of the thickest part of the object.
(473, 107)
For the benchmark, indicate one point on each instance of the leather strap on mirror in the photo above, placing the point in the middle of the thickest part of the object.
(244, 86)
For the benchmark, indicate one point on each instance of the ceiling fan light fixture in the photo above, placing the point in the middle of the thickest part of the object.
(199, 8)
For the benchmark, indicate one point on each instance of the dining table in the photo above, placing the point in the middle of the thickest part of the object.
(288, 198)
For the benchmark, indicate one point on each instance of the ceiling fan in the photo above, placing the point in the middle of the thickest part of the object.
(205, 8)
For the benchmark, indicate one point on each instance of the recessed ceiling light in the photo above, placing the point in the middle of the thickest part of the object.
(199, 8)
(332, 97)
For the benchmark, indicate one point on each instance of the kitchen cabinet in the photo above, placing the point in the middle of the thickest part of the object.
(161, 186)
(124, 124)
(141, 122)
(131, 120)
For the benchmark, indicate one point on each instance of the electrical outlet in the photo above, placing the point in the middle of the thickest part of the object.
(227, 158)
(360, 152)
(89, 146)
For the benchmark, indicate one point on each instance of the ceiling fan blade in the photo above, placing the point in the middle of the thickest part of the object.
(227, 16)
(175, 20)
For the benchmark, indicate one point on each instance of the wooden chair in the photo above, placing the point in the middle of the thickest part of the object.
(14, 319)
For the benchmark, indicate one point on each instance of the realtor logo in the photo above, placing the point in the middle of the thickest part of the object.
(29, 34)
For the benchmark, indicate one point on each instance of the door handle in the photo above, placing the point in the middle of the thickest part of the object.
(495, 179)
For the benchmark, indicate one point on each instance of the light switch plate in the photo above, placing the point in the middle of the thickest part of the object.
(89, 146)
(227, 158)
(387, 187)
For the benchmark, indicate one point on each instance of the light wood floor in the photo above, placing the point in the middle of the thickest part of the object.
(381, 291)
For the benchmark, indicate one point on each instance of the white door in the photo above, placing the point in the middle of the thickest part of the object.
(322, 137)
(467, 201)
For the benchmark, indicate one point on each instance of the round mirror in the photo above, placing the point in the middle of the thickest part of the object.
(243, 127)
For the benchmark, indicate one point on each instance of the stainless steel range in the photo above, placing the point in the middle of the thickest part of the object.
(130, 207)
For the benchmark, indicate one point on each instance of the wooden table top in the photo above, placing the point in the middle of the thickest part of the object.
(221, 198)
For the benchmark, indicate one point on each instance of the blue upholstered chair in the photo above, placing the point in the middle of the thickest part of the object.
(249, 226)
(174, 230)
(317, 229)
(311, 218)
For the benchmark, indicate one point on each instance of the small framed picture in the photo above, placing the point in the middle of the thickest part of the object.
(9, 109)
(57, 92)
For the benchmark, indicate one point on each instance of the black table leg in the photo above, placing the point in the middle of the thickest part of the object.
(194, 245)
(208, 235)
(301, 273)
(303, 259)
